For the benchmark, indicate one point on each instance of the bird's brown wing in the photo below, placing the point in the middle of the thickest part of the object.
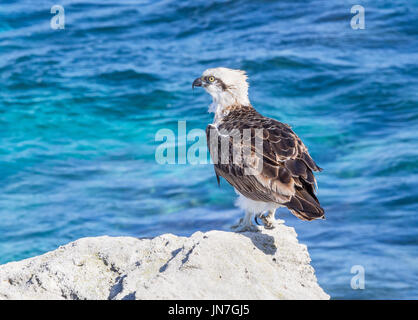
(278, 170)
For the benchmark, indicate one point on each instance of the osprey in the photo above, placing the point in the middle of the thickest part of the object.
(277, 174)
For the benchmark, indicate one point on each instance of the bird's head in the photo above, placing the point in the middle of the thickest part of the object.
(226, 86)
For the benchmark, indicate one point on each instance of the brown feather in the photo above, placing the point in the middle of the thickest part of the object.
(286, 175)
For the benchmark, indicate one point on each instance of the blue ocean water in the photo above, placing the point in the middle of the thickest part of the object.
(80, 107)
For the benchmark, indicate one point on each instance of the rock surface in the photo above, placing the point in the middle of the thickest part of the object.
(214, 265)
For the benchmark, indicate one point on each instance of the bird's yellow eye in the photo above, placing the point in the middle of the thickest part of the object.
(211, 79)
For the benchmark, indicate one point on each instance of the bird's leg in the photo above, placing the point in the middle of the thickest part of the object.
(246, 224)
(268, 219)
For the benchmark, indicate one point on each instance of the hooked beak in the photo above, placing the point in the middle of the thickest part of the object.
(197, 83)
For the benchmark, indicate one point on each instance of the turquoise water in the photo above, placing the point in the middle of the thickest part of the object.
(80, 107)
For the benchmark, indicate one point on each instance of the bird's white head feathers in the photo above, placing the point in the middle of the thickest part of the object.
(226, 86)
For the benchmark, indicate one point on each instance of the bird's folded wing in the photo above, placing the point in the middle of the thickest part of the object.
(274, 167)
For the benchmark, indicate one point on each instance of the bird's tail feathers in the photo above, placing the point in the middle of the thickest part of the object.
(305, 207)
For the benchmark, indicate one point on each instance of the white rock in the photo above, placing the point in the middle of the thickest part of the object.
(212, 265)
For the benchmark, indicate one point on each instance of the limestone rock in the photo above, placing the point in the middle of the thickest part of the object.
(271, 264)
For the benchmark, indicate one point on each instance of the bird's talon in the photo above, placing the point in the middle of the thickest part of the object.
(269, 223)
(235, 226)
(269, 226)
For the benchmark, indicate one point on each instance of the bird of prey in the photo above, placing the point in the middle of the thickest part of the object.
(277, 174)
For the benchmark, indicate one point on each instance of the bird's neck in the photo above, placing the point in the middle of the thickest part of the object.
(223, 104)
